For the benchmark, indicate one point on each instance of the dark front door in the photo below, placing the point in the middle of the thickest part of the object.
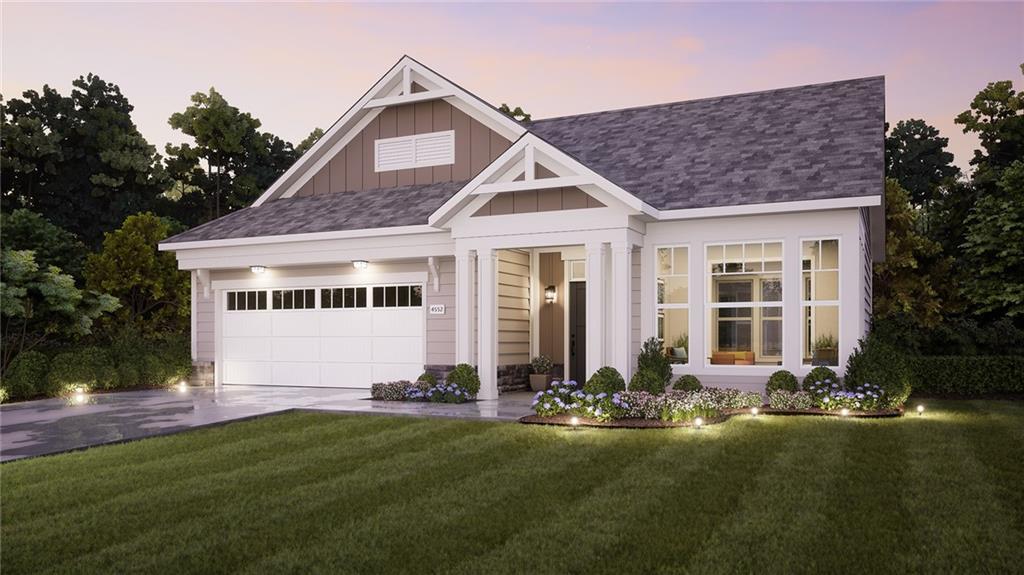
(578, 331)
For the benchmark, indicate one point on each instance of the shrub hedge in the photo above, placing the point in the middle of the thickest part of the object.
(967, 376)
(127, 362)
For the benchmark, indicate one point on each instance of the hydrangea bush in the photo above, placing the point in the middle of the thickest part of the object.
(441, 393)
(831, 396)
(566, 398)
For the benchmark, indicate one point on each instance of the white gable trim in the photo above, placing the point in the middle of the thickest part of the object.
(394, 88)
(498, 175)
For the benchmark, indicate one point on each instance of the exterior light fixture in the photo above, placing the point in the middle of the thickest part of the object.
(698, 422)
(257, 269)
(753, 411)
(182, 386)
(360, 264)
(920, 409)
(549, 294)
(844, 412)
(80, 396)
(574, 422)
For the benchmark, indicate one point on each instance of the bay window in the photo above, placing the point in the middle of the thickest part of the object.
(673, 302)
(744, 298)
(820, 301)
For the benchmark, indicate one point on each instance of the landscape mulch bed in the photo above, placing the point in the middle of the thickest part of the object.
(565, 420)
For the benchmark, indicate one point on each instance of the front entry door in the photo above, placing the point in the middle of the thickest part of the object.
(578, 331)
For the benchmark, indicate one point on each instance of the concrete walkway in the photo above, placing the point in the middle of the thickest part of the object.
(54, 425)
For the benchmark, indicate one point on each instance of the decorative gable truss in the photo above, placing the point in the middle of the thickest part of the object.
(543, 178)
(407, 82)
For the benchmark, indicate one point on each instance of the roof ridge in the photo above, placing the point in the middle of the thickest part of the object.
(733, 95)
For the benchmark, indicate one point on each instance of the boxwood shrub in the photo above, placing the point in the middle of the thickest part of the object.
(647, 380)
(819, 374)
(878, 363)
(428, 377)
(687, 382)
(967, 376)
(605, 380)
(783, 380)
(465, 376)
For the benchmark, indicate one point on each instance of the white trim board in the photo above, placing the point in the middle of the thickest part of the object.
(769, 208)
(285, 238)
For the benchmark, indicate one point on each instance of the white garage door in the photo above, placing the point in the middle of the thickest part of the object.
(323, 336)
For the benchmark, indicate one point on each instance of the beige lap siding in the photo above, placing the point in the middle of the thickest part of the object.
(513, 307)
(205, 316)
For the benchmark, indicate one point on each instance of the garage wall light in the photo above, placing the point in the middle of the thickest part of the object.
(549, 294)
(360, 264)
(257, 269)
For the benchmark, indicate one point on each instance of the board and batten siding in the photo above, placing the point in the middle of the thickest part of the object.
(513, 307)
(352, 168)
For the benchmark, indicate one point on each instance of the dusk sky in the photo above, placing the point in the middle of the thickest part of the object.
(299, 66)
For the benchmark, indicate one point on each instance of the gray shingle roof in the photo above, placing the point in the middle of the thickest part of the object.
(383, 208)
(810, 142)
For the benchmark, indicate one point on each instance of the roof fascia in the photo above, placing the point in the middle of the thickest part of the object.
(769, 208)
(287, 238)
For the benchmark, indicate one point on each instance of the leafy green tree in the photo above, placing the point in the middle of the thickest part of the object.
(154, 294)
(902, 283)
(995, 248)
(79, 158)
(996, 116)
(916, 157)
(311, 139)
(38, 303)
(26, 230)
(516, 113)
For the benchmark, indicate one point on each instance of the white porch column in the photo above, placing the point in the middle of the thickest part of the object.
(464, 320)
(487, 365)
(622, 307)
(595, 307)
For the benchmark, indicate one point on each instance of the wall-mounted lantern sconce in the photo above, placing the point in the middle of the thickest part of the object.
(257, 269)
(360, 264)
(549, 294)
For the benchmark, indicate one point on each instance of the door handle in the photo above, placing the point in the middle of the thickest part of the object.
(572, 345)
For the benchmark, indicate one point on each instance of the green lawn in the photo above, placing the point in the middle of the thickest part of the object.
(321, 492)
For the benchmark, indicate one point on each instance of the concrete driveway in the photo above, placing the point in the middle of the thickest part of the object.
(54, 425)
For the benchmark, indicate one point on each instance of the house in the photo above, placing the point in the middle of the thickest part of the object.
(426, 228)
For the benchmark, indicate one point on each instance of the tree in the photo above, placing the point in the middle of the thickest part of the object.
(902, 283)
(306, 144)
(996, 115)
(154, 294)
(916, 157)
(995, 248)
(79, 159)
(26, 230)
(39, 302)
(516, 114)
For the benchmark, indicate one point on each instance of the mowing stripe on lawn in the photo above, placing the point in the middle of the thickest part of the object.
(59, 491)
(777, 515)
(133, 515)
(943, 473)
(466, 511)
(184, 470)
(256, 520)
(584, 533)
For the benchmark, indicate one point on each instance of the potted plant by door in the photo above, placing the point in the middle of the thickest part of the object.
(541, 376)
(826, 350)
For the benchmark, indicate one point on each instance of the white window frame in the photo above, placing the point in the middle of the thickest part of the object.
(246, 291)
(414, 142)
(270, 298)
(658, 307)
(320, 297)
(810, 303)
(708, 277)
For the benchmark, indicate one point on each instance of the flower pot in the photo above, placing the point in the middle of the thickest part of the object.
(539, 381)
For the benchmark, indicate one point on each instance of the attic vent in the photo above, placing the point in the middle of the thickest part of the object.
(417, 151)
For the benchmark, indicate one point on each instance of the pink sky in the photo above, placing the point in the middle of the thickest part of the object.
(298, 66)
